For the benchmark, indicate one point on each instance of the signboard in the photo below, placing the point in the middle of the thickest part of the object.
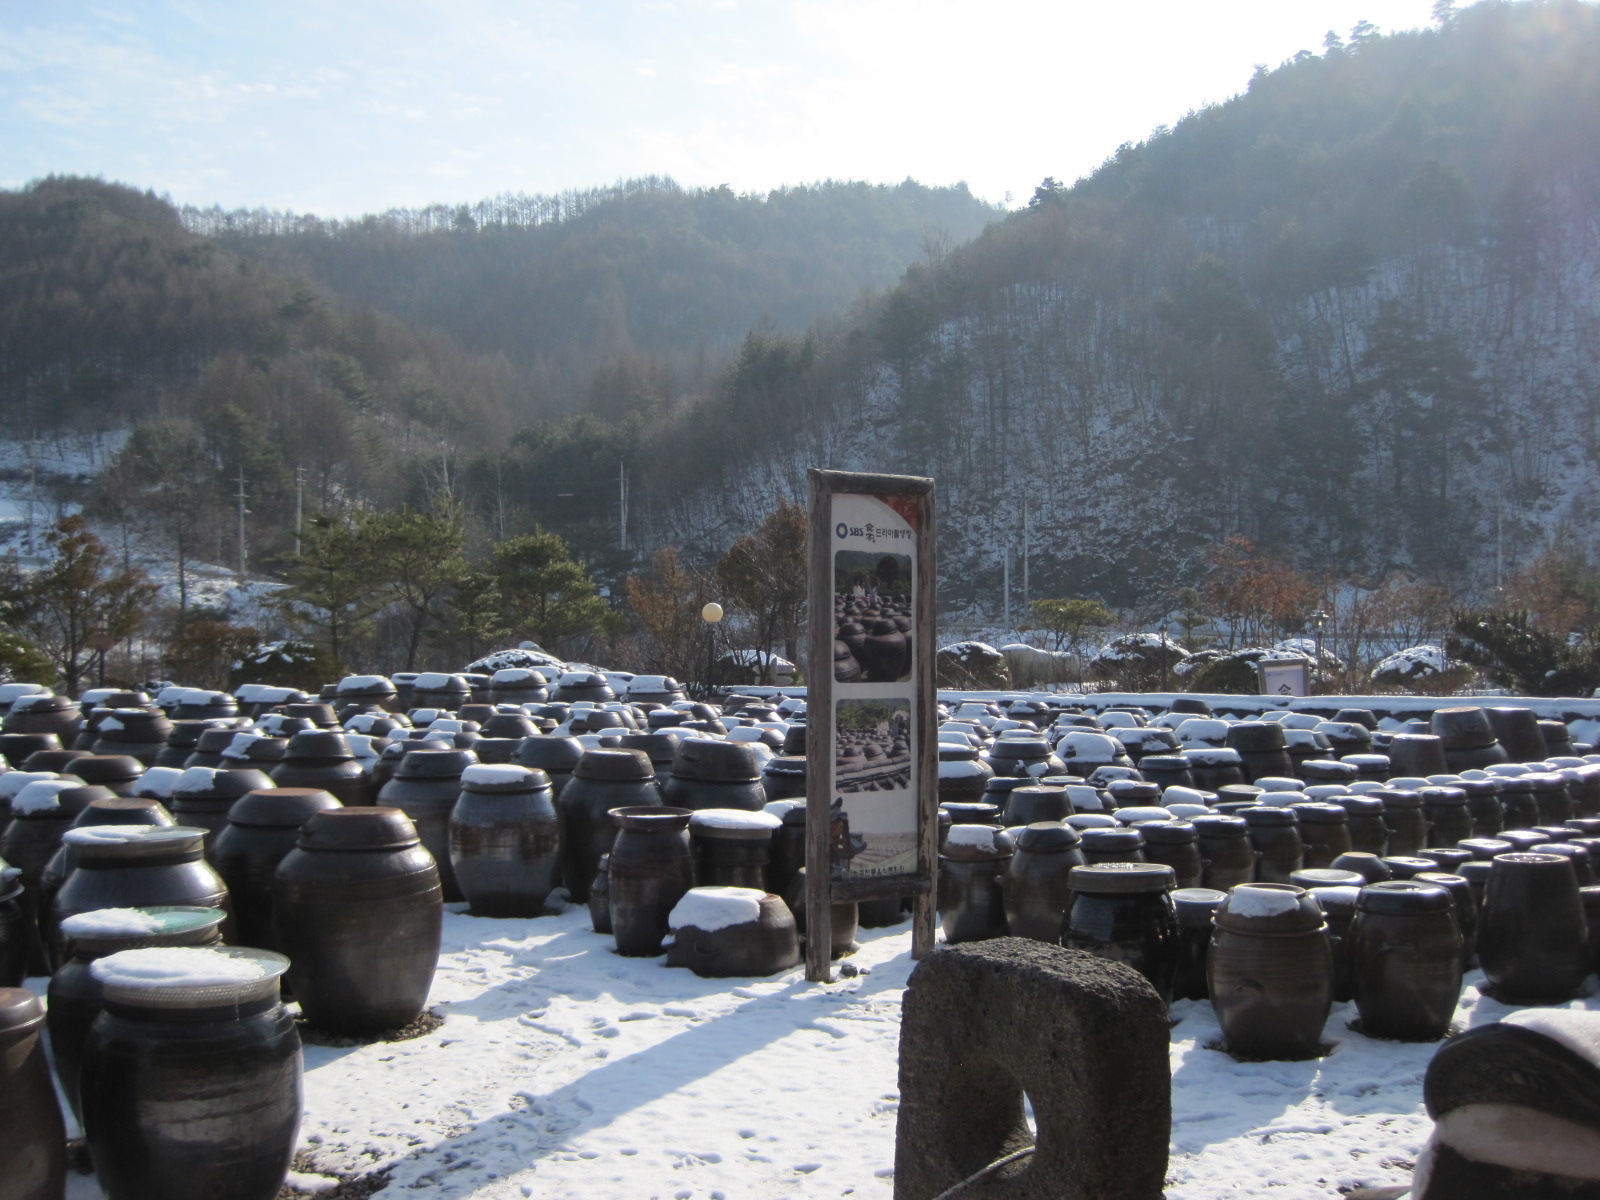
(1284, 676)
(872, 765)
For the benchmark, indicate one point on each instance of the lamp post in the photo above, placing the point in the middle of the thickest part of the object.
(1166, 662)
(1318, 620)
(710, 614)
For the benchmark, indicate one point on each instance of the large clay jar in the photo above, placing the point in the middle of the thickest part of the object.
(1270, 972)
(321, 758)
(720, 932)
(1483, 806)
(263, 826)
(1551, 796)
(713, 774)
(34, 835)
(359, 911)
(1416, 754)
(1226, 854)
(1124, 844)
(1364, 818)
(1275, 835)
(1123, 911)
(505, 840)
(885, 653)
(1408, 827)
(33, 1152)
(732, 847)
(962, 774)
(138, 732)
(76, 996)
(425, 786)
(782, 778)
(1468, 740)
(1465, 909)
(604, 779)
(1405, 952)
(434, 689)
(1532, 935)
(1167, 770)
(1034, 887)
(44, 713)
(972, 866)
(1262, 749)
(1324, 832)
(203, 796)
(1177, 844)
(651, 867)
(18, 930)
(138, 866)
(1517, 729)
(192, 1076)
(1195, 908)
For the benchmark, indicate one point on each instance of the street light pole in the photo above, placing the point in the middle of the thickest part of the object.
(710, 614)
(1318, 620)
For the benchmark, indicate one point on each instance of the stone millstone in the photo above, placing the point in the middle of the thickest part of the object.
(1084, 1037)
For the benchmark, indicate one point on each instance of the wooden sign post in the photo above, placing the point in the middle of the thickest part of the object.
(872, 756)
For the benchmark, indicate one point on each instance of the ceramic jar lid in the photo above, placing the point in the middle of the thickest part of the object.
(1118, 878)
(358, 828)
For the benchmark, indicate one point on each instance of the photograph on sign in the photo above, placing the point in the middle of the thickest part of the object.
(871, 616)
(874, 827)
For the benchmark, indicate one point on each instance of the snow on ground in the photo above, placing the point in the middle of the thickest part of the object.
(563, 1069)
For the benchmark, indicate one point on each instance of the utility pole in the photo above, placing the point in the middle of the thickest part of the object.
(299, 505)
(242, 511)
(1006, 576)
(33, 483)
(1499, 550)
(622, 505)
(1026, 597)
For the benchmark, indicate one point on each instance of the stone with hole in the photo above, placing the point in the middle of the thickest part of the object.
(1083, 1037)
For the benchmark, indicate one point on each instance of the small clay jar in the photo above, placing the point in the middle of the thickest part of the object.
(1167, 770)
(962, 773)
(782, 778)
(1226, 853)
(1275, 836)
(321, 758)
(1370, 867)
(1124, 911)
(1405, 950)
(723, 932)
(1551, 797)
(1177, 844)
(425, 786)
(555, 756)
(1270, 972)
(972, 866)
(1035, 885)
(1518, 804)
(1532, 936)
(1338, 904)
(1324, 832)
(1408, 827)
(1195, 908)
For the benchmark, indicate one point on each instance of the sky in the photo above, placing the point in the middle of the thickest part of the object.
(351, 106)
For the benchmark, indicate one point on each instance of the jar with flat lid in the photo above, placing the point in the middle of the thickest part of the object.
(1124, 911)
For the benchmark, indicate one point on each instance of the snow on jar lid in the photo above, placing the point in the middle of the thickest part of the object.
(163, 925)
(734, 823)
(501, 777)
(1269, 908)
(39, 797)
(96, 842)
(190, 977)
(713, 908)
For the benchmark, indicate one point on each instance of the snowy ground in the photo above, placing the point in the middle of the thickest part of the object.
(562, 1069)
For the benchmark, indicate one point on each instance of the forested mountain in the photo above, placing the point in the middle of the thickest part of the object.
(645, 284)
(1352, 314)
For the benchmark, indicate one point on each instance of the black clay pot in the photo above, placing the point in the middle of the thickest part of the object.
(1465, 909)
(76, 997)
(1483, 806)
(203, 796)
(139, 733)
(425, 786)
(603, 779)
(759, 939)
(321, 758)
(1364, 819)
(138, 866)
(713, 774)
(1406, 950)
(1195, 908)
(1177, 844)
(1408, 825)
(262, 827)
(33, 1152)
(505, 840)
(1034, 887)
(651, 867)
(972, 866)
(1037, 802)
(1123, 911)
(156, 1049)
(1275, 835)
(732, 847)
(1532, 936)
(1270, 972)
(1324, 832)
(1416, 754)
(1226, 853)
(358, 909)
(1517, 729)
(555, 756)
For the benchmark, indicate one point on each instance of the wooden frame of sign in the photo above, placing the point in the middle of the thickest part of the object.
(1283, 676)
(872, 763)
